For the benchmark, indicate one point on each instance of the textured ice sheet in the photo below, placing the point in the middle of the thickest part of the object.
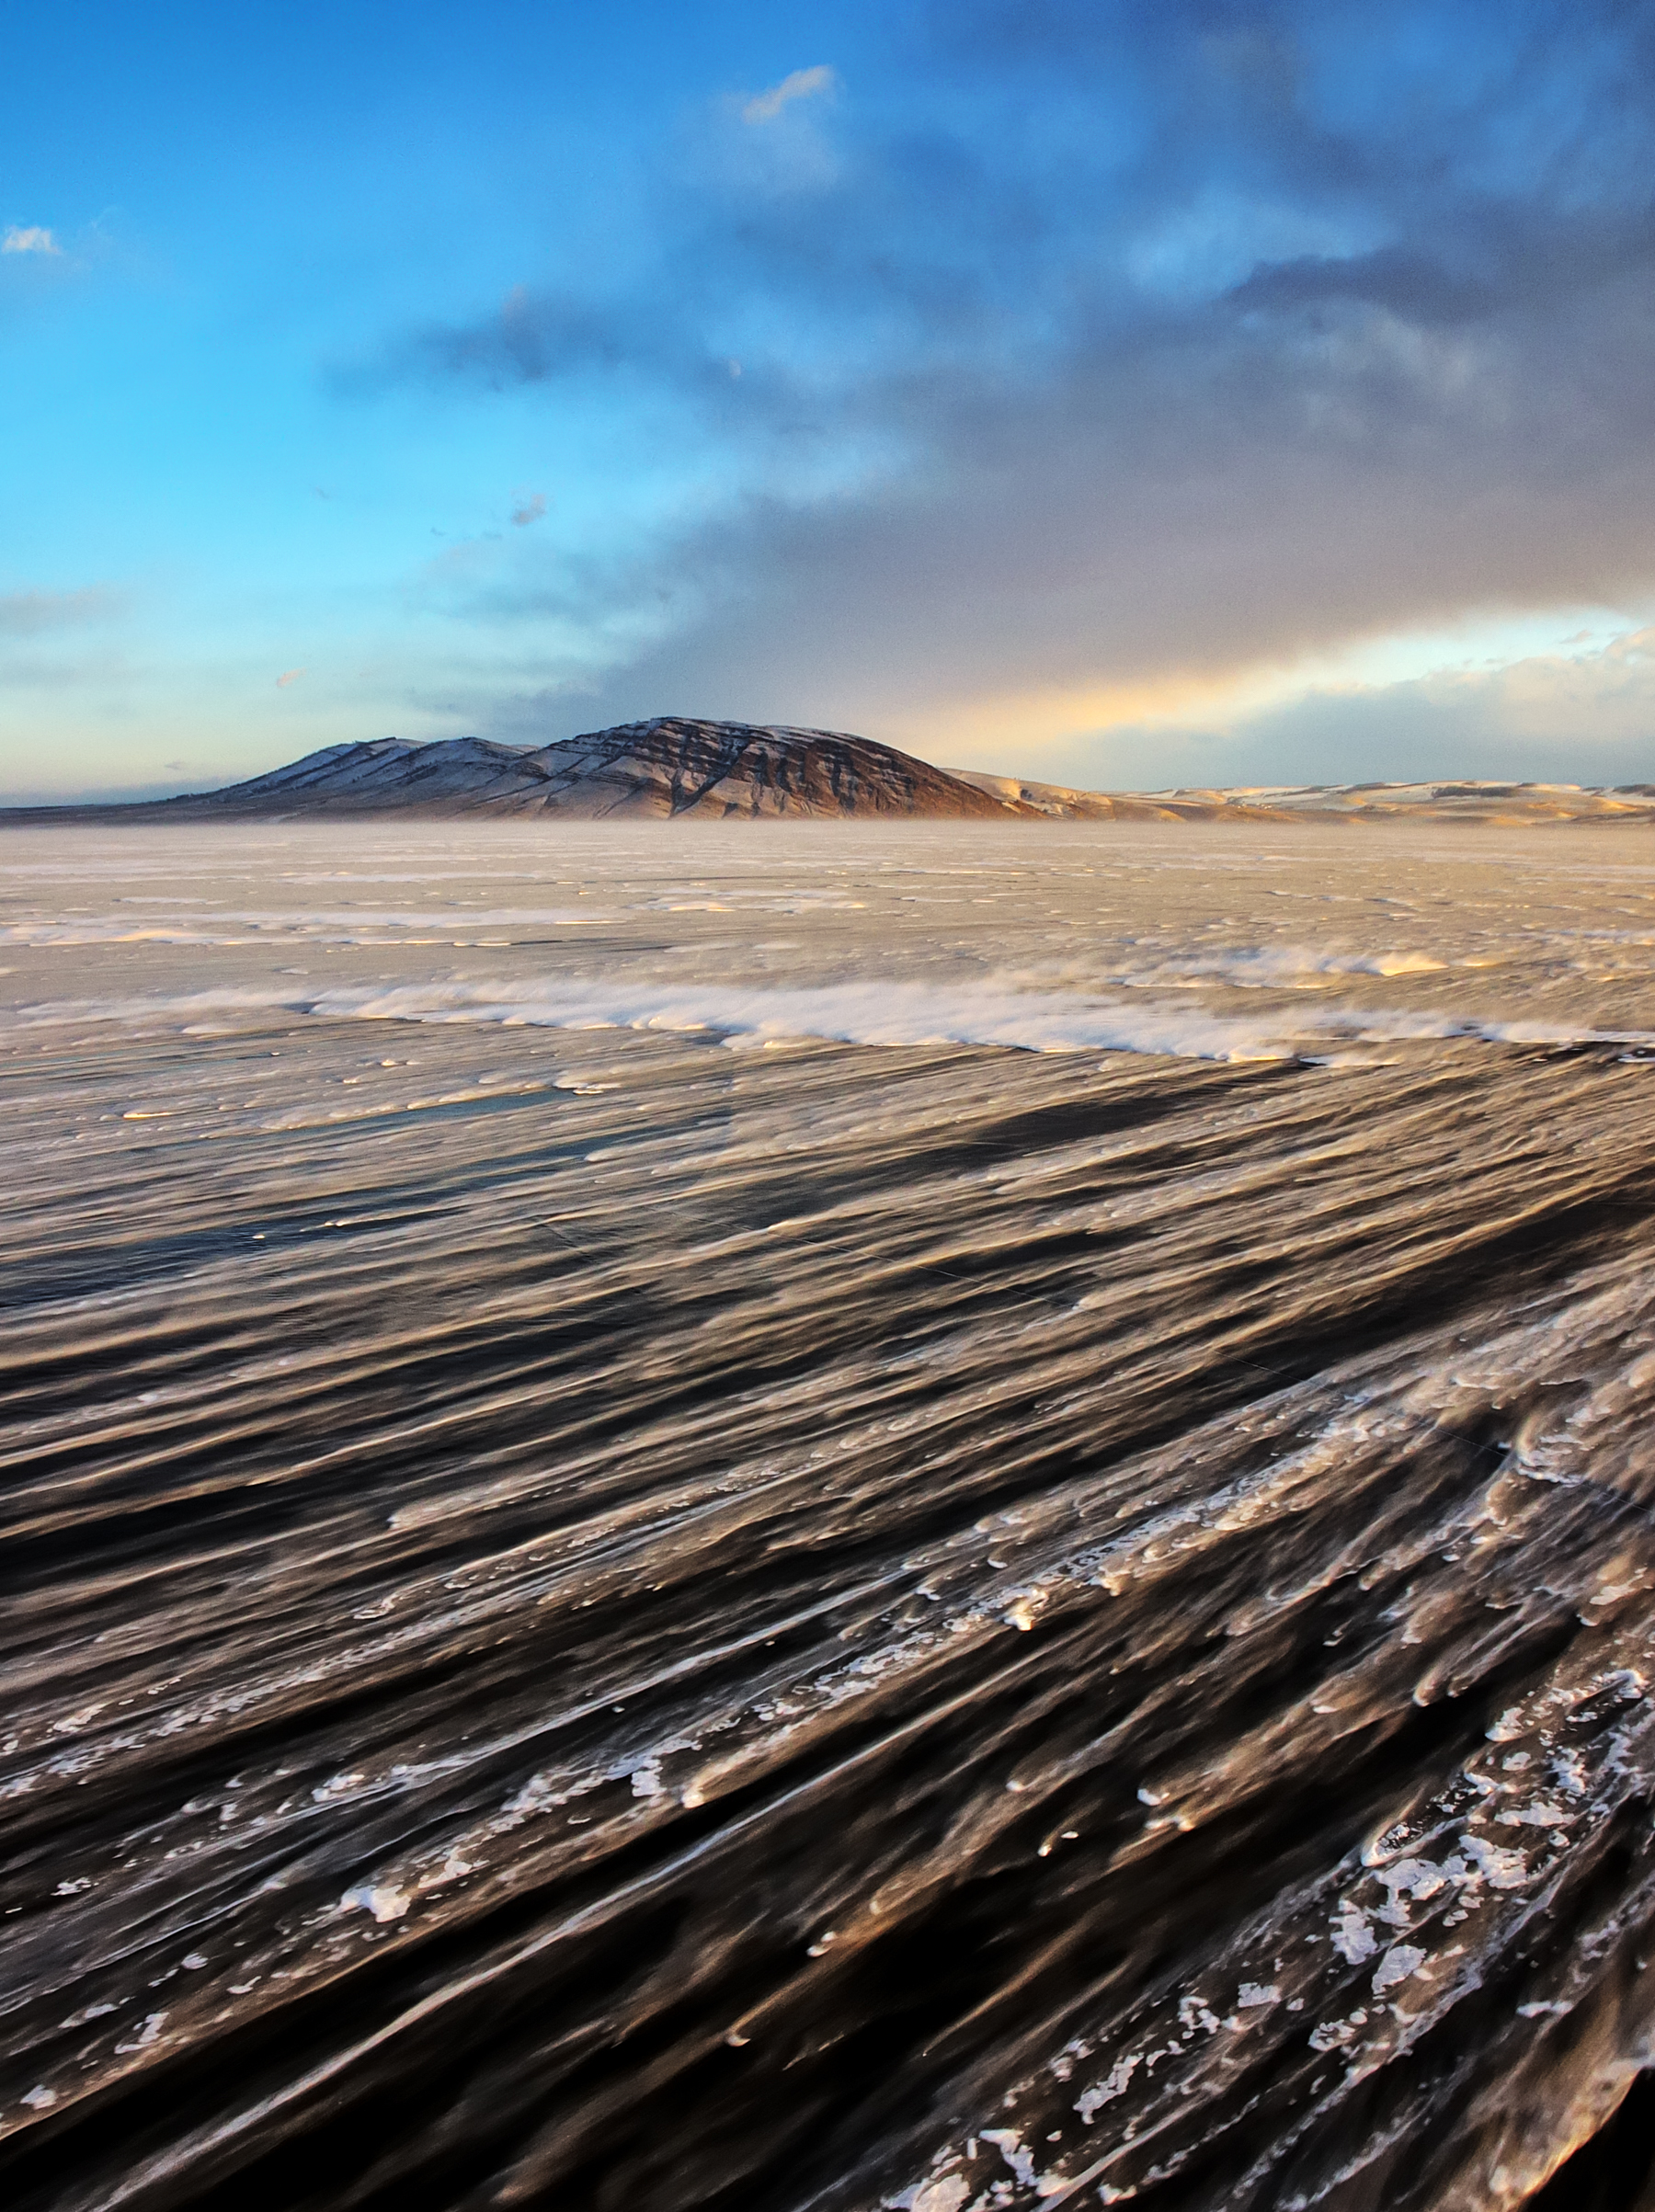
(599, 1618)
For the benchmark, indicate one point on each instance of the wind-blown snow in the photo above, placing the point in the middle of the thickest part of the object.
(602, 1613)
(988, 1013)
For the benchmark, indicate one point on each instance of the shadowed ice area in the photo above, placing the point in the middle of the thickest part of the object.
(837, 1517)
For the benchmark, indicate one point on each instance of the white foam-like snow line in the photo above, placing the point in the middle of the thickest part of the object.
(1257, 967)
(196, 929)
(156, 1011)
(127, 933)
(420, 875)
(1402, 1026)
(424, 918)
(852, 1013)
(978, 1012)
(860, 1013)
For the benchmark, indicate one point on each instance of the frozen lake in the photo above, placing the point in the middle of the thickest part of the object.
(836, 1516)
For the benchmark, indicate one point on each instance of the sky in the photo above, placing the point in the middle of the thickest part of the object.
(1120, 395)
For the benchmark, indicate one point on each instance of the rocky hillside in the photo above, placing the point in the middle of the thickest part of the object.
(669, 765)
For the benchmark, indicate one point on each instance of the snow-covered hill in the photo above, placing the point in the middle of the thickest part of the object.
(667, 766)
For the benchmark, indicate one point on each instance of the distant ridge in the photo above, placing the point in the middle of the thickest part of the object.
(724, 770)
(1464, 802)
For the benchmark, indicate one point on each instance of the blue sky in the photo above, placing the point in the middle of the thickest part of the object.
(1121, 394)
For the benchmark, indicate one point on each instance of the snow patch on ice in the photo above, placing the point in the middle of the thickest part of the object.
(1399, 1963)
(1352, 1938)
(1501, 1868)
(1008, 2141)
(1113, 2085)
(385, 1901)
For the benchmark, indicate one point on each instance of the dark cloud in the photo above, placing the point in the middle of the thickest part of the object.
(1101, 341)
(1415, 287)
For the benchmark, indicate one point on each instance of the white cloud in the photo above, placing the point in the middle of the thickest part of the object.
(799, 84)
(530, 510)
(31, 238)
(290, 676)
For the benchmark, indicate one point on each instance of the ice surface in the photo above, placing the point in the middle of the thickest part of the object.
(1112, 936)
(906, 1516)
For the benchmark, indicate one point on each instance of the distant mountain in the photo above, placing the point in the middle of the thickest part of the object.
(1059, 801)
(721, 771)
(1513, 804)
(669, 766)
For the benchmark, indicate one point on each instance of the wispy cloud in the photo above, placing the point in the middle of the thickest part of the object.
(798, 85)
(290, 676)
(30, 613)
(529, 509)
(28, 238)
